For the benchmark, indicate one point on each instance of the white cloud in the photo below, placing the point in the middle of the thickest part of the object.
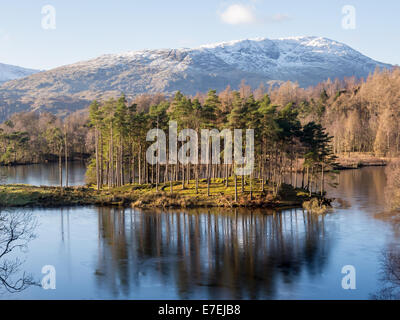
(238, 14)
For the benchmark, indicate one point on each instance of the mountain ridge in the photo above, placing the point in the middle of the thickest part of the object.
(11, 72)
(306, 60)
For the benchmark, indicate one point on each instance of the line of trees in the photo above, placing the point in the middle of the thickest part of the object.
(30, 137)
(119, 134)
(362, 115)
(289, 122)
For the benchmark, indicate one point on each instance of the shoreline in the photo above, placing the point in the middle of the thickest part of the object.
(146, 196)
(134, 196)
(47, 161)
(358, 160)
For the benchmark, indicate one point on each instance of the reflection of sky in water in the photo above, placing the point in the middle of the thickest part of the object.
(200, 254)
(43, 174)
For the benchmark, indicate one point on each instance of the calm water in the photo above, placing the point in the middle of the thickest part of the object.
(43, 174)
(103, 253)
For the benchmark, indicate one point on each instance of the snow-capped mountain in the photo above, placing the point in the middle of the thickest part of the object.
(9, 72)
(307, 60)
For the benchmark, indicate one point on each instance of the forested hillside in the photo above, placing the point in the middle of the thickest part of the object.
(296, 129)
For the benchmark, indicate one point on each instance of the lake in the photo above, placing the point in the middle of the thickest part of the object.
(43, 174)
(111, 253)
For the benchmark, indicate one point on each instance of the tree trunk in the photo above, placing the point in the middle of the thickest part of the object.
(322, 180)
(226, 176)
(140, 165)
(60, 169)
(171, 180)
(66, 159)
(96, 134)
(111, 160)
(121, 159)
(101, 161)
(236, 189)
(251, 186)
(197, 178)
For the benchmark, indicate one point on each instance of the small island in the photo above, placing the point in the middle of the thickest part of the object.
(146, 196)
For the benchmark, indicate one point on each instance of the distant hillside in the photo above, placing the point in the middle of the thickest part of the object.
(9, 72)
(307, 60)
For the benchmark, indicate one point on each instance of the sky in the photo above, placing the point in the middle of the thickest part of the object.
(46, 34)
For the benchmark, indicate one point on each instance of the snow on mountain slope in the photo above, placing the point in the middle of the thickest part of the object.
(307, 60)
(9, 72)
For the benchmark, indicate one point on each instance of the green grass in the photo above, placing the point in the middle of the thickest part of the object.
(147, 195)
(31, 196)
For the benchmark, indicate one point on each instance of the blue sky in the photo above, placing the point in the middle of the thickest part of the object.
(86, 29)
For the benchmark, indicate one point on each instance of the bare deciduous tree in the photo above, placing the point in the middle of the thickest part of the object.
(390, 275)
(16, 231)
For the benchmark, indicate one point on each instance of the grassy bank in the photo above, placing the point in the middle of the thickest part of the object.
(146, 196)
(19, 195)
(355, 160)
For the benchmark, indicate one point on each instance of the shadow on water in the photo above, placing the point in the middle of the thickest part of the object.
(220, 253)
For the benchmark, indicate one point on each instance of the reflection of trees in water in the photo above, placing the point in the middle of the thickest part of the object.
(390, 274)
(390, 257)
(227, 254)
(392, 189)
(16, 230)
(368, 183)
(42, 174)
(113, 246)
